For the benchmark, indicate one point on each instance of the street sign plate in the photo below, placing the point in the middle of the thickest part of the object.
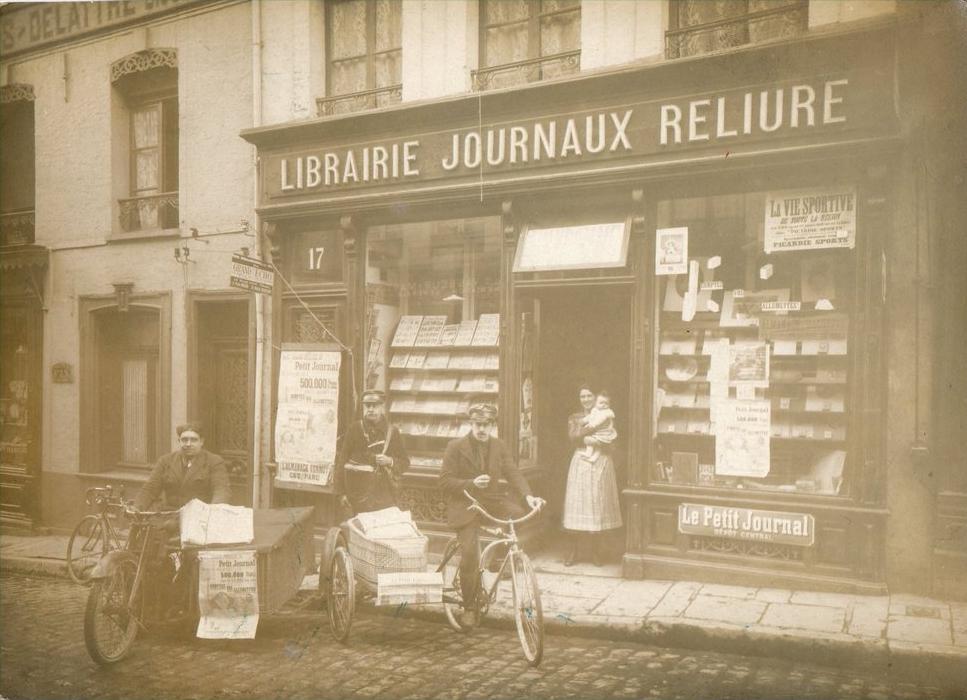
(251, 274)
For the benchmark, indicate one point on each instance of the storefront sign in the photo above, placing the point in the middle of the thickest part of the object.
(746, 524)
(663, 128)
(251, 274)
(306, 422)
(38, 24)
(573, 247)
(228, 596)
(810, 219)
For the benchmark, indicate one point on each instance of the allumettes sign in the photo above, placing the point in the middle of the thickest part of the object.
(828, 107)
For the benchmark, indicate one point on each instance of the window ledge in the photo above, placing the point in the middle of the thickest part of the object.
(147, 234)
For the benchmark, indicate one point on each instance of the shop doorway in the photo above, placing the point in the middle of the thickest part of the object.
(585, 337)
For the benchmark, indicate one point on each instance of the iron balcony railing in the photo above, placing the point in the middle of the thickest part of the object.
(148, 212)
(783, 20)
(359, 101)
(17, 227)
(530, 70)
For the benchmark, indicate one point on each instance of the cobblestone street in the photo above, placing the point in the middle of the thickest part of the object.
(42, 655)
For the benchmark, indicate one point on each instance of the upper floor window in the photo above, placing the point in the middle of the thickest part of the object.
(364, 40)
(148, 81)
(523, 41)
(703, 26)
(17, 165)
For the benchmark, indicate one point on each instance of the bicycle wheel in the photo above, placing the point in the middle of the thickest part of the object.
(342, 594)
(452, 593)
(110, 625)
(86, 546)
(528, 613)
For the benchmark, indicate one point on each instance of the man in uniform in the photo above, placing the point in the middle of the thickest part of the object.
(476, 463)
(372, 459)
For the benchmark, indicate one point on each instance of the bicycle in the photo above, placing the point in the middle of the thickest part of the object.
(528, 612)
(153, 581)
(95, 535)
(117, 605)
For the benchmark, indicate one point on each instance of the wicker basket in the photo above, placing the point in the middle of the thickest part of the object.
(374, 557)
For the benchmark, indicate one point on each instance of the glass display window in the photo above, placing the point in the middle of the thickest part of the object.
(754, 300)
(433, 326)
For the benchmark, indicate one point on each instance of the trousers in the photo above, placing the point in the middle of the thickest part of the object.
(469, 538)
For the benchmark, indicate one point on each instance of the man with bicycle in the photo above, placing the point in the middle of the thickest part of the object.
(478, 463)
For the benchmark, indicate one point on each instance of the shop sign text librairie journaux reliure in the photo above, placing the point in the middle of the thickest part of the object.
(673, 127)
(746, 524)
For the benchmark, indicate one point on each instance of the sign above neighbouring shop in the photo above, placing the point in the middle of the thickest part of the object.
(251, 274)
(36, 24)
(746, 524)
(670, 128)
(573, 247)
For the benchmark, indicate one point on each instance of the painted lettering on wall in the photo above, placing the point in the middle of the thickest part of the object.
(37, 24)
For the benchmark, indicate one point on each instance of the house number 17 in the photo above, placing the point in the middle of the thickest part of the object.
(315, 258)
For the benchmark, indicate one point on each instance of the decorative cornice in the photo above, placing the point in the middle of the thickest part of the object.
(141, 61)
(16, 92)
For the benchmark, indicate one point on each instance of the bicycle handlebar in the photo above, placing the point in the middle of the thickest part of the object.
(477, 506)
(137, 514)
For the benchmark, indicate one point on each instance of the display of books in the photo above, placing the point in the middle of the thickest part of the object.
(416, 360)
(448, 334)
(793, 361)
(456, 362)
(465, 333)
(488, 330)
(402, 383)
(437, 360)
(406, 331)
(399, 360)
(677, 346)
(429, 333)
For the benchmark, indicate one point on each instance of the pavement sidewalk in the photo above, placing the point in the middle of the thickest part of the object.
(909, 635)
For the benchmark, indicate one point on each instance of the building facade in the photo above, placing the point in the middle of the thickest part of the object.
(739, 218)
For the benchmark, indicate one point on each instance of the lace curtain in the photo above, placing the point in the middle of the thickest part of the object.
(789, 21)
(351, 23)
(518, 30)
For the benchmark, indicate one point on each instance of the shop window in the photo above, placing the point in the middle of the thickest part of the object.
(148, 85)
(128, 380)
(433, 320)
(703, 26)
(364, 40)
(524, 41)
(17, 165)
(753, 357)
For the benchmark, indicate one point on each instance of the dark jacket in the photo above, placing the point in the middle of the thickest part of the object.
(370, 491)
(460, 466)
(207, 480)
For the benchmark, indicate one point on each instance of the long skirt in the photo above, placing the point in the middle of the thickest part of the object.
(591, 503)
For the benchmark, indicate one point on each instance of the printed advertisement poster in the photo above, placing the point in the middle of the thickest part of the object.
(810, 219)
(306, 422)
(742, 438)
(749, 363)
(228, 596)
(671, 251)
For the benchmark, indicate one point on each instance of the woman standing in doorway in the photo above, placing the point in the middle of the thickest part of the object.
(591, 504)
